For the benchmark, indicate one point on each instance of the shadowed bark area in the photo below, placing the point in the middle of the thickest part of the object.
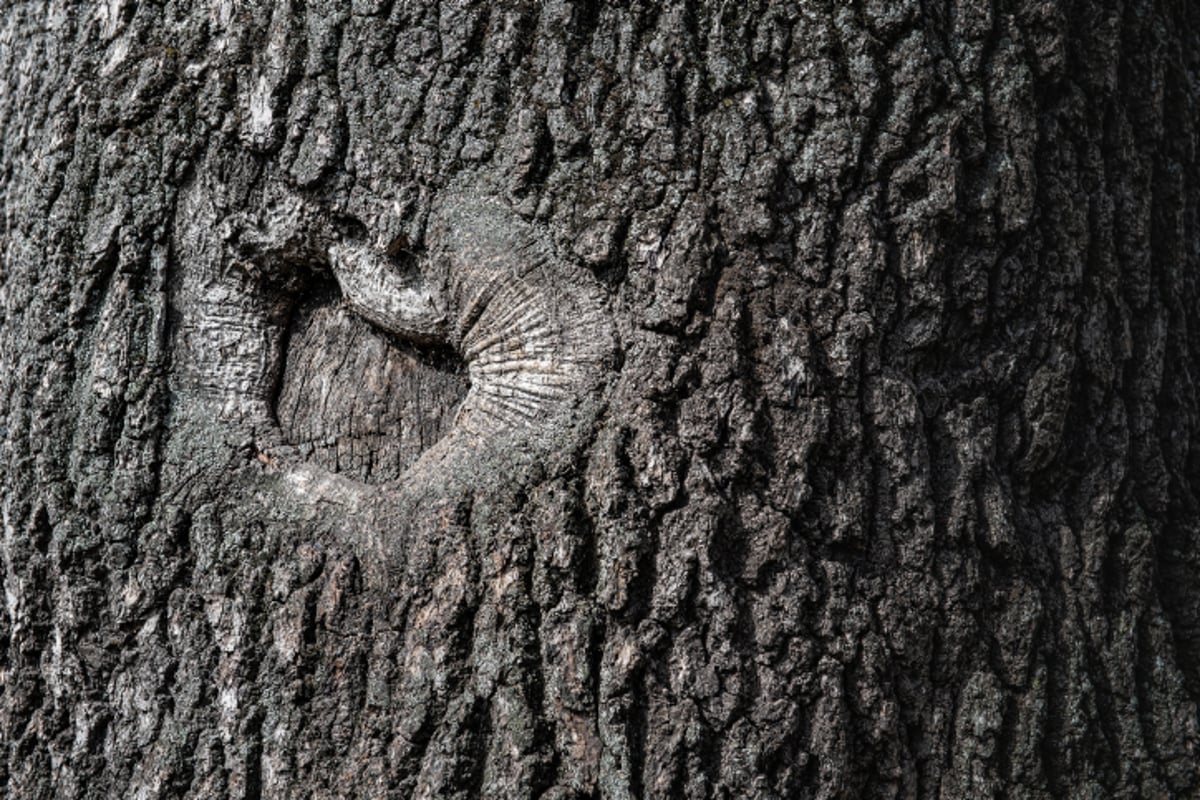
(891, 489)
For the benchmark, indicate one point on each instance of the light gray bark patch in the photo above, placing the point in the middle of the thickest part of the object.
(532, 330)
(230, 331)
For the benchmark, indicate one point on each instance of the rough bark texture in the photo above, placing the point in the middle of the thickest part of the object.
(889, 488)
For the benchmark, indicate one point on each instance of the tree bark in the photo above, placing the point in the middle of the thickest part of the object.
(838, 435)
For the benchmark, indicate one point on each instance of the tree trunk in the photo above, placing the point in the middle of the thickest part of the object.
(562, 399)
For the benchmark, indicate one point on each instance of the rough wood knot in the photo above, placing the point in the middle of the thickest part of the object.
(532, 329)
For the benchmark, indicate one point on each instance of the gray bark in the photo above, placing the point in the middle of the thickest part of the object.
(563, 399)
